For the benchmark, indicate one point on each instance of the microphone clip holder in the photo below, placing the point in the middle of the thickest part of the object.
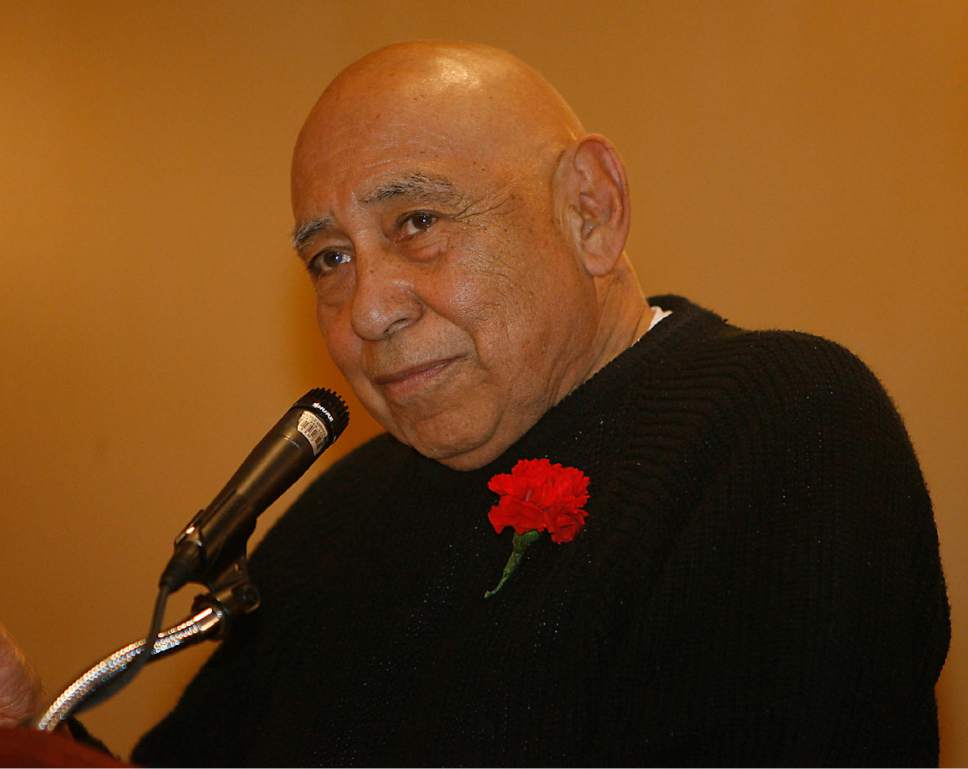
(232, 591)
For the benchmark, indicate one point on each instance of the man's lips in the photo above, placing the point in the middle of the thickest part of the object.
(406, 380)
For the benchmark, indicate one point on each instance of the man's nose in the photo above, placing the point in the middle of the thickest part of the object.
(384, 296)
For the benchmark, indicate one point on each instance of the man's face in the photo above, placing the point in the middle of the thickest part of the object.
(445, 291)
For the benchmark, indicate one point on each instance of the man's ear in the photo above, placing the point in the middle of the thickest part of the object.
(593, 202)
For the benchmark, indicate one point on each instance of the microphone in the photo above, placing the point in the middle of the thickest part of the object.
(217, 534)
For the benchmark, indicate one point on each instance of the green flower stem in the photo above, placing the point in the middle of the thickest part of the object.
(518, 545)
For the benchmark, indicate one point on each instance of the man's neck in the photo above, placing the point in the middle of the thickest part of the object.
(625, 316)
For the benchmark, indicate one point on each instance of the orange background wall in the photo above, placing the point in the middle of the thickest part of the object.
(793, 164)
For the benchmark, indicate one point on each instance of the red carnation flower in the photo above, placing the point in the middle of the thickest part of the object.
(540, 496)
(537, 496)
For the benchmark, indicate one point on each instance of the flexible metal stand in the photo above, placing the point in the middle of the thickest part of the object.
(203, 624)
(232, 595)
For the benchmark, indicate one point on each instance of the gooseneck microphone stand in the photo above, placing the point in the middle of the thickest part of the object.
(232, 595)
(211, 551)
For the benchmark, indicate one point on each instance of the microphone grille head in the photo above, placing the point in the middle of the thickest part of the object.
(328, 406)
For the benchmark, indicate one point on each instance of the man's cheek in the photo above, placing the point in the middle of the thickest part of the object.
(345, 351)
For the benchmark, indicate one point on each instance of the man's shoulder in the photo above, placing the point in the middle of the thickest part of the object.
(802, 371)
(791, 360)
(774, 363)
(719, 381)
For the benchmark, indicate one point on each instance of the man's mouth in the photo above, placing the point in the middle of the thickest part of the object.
(406, 381)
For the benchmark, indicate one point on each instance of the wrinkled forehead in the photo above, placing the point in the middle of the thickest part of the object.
(348, 153)
(373, 164)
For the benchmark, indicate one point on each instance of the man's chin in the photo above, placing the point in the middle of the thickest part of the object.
(451, 446)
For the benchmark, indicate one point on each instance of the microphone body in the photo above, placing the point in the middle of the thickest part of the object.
(217, 535)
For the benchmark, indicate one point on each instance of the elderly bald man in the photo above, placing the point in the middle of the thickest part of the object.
(465, 239)
(723, 551)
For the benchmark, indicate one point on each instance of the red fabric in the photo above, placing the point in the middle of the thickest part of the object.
(540, 496)
(29, 747)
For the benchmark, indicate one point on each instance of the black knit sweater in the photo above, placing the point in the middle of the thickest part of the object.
(758, 583)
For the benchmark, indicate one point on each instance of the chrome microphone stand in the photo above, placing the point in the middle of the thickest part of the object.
(211, 550)
(232, 594)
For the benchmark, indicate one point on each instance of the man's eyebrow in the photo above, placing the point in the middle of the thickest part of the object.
(305, 231)
(414, 185)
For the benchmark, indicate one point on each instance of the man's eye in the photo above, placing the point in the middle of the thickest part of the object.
(414, 224)
(326, 261)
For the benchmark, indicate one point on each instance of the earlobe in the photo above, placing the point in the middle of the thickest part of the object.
(596, 204)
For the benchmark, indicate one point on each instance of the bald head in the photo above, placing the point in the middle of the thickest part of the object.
(465, 238)
(458, 93)
(462, 75)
